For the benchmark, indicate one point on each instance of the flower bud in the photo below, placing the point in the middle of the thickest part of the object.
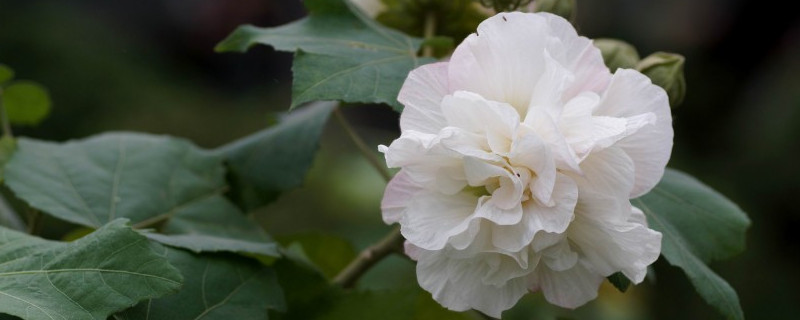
(666, 70)
(563, 8)
(617, 53)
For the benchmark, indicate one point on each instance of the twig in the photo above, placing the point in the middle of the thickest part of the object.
(4, 117)
(393, 242)
(362, 146)
(429, 32)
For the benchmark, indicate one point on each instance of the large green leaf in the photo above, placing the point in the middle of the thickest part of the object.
(341, 54)
(275, 159)
(216, 287)
(155, 181)
(699, 225)
(26, 102)
(107, 271)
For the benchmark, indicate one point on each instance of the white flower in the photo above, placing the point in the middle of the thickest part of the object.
(519, 158)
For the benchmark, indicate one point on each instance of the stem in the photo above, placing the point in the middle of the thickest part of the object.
(4, 118)
(33, 221)
(393, 242)
(365, 150)
(429, 32)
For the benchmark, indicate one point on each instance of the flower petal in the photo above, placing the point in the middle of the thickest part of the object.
(458, 284)
(631, 94)
(611, 246)
(399, 192)
(569, 288)
(538, 218)
(432, 218)
(607, 172)
(421, 96)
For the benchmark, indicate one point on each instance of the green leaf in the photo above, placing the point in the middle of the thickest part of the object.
(341, 54)
(6, 74)
(26, 102)
(155, 181)
(110, 270)
(216, 287)
(620, 281)
(698, 225)
(275, 159)
(328, 254)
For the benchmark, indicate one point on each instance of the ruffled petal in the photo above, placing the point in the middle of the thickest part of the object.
(537, 218)
(611, 246)
(570, 288)
(432, 218)
(607, 172)
(421, 96)
(632, 94)
(458, 284)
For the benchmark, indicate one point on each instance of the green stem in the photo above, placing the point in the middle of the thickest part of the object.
(429, 32)
(362, 146)
(33, 221)
(4, 118)
(391, 243)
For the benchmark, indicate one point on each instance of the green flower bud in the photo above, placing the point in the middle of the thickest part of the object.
(617, 53)
(563, 8)
(666, 70)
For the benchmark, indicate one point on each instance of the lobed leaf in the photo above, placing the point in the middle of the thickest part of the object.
(216, 287)
(340, 54)
(109, 270)
(155, 181)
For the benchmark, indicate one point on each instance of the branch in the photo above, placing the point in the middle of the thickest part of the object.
(392, 243)
(362, 146)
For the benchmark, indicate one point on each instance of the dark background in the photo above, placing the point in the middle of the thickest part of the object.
(148, 65)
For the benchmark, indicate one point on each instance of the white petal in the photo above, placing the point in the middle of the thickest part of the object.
(579, 55)
(531, 152)
(630, 94)
(612, 246)
(399, 192)
(503, 60)
(607, 172)
(426, 161)
(432, 218)
(569, 288)
(458, 284)
(471, 112)
(421, 96)
(545, 127)
(538, 218)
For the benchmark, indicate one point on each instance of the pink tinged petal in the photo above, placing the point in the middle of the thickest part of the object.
(607, 172)
(421, 96)
(637, 216)
(431, 219)
(610, 246)
(569, 288)
(399, 192)
(503, 60)
(578, 54)
(531, 152)
(547, 93)
(457, 284)
(538, 220)
(631, 94)
(412, 251)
